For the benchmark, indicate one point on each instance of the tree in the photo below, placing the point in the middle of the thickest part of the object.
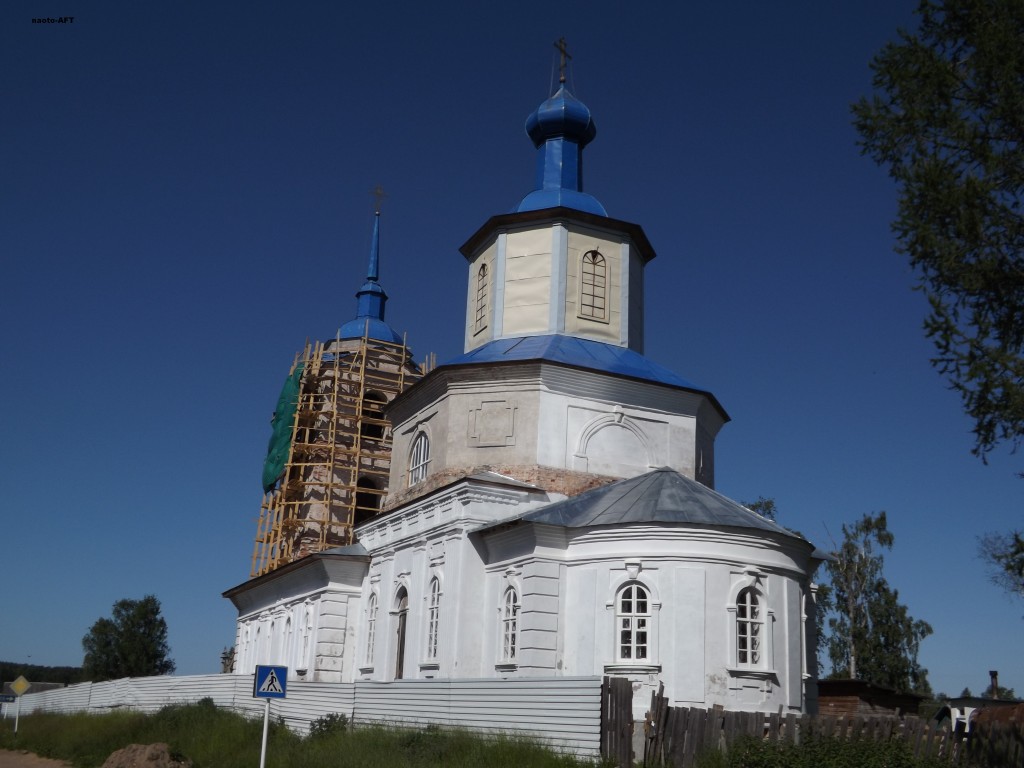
(1004, 553)
(764, 507)
(871, 634)
(947, 119)
(1002, 693)
(132, 643)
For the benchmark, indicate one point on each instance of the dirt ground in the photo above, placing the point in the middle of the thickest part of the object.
(28, 760)
(132, 756)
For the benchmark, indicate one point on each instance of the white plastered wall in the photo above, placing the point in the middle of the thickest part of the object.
(559, 417)
(692, 579)
(306, 634)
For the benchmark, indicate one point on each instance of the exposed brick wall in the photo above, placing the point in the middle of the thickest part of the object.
(563, 481)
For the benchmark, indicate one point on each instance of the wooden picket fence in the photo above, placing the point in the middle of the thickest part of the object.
(617, 721)
(675, 736)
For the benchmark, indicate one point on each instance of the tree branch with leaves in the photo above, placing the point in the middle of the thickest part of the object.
(947, 120)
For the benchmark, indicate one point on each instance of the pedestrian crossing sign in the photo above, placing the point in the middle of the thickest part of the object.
(270, 682)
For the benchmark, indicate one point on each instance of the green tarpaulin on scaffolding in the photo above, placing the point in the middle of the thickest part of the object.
(281, 426)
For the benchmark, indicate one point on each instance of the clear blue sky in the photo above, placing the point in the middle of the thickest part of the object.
(184, 199)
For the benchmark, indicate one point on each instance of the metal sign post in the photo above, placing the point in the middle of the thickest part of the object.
(269, 683)
(19, 686)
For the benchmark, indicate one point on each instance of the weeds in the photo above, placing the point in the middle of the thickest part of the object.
(818, 753)
(216, 738)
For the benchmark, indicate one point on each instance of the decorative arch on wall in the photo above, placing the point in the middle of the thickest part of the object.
(613, 440)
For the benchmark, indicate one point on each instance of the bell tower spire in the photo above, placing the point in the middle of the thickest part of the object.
(371, 297)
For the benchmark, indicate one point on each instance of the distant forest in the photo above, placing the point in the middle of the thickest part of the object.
(10, 671)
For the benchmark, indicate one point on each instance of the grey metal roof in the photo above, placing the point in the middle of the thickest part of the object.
(660, 496)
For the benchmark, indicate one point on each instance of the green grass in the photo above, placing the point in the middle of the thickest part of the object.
(216, 738)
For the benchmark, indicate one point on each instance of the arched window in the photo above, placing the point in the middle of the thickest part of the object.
(433, 618)
(480, 318)
(633, 617)
(372, 424)
(419, 458)
(402, 613)
(307, 634)
(509, 625)
(367, 500)
(371, 627)
(289, 641)
(594, 286)
(749, 628)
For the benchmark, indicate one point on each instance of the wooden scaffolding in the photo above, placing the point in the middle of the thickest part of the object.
(336, 473)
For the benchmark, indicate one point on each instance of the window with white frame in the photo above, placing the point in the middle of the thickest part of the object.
(419, 458)
(509, 625)
(433, 618)
(633, 620)
(594, 286)
(371, 627)
(749, 628)
(480, 319)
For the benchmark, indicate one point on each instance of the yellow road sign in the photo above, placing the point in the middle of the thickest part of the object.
(20, 685)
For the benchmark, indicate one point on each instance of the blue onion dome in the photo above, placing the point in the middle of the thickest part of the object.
(562, 115)
(560, 128)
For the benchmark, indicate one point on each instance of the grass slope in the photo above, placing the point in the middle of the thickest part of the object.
(215, 738)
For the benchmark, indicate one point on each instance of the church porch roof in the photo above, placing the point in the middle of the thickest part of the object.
(660, 496)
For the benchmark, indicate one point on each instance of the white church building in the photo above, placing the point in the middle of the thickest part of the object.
(551, 507)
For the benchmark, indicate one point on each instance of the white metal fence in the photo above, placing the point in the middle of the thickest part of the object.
(564, 712)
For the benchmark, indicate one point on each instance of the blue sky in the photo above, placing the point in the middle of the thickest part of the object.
(185, 199)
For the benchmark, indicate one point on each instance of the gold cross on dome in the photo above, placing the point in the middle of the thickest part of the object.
(563, 57)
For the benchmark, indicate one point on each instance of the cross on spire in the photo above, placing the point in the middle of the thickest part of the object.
(563, 57)
(378, 198)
